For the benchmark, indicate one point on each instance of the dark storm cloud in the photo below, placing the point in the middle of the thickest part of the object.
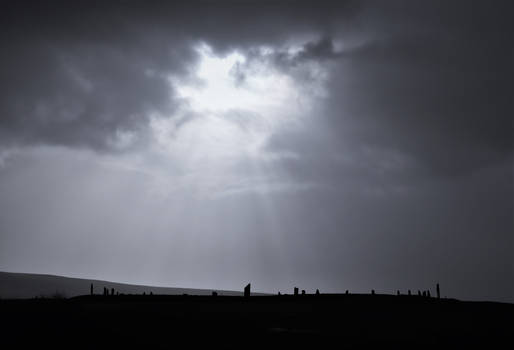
(71, 80)
(318, 51)
(439, 99)
(77, 73)
(430, 81)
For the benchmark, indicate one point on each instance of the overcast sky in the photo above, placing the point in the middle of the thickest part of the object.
(352, 145)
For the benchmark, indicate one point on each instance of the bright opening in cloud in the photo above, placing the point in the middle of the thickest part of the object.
(231, 82)
(232, 106)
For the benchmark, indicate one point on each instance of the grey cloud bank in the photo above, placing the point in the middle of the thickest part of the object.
(75, 74)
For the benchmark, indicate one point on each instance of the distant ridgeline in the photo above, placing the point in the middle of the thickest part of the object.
(23, 286)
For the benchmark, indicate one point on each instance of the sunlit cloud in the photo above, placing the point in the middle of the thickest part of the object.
(231, 106)
(230, 82)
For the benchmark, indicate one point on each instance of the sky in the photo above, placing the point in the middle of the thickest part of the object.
(350, 145)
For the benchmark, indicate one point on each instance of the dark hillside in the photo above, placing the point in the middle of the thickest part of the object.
(26, 285)
(346, 321)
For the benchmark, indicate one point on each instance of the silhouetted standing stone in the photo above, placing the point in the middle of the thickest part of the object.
(424, 293)
(112, 291)
(372, 292)
(397, 292)
(408, 292)
(295, 291)
(419, 293)
(91, 289)
(214, 294)
(438, 292)
(303, 291)
(347, 292)
(247, 291)
(428, 293)
(317, 291)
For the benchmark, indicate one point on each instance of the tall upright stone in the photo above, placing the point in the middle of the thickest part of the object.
(296, 291)
(438, 292)
(91, 289)
(247, 291)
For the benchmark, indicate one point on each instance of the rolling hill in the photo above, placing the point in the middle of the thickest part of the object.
(25, 285)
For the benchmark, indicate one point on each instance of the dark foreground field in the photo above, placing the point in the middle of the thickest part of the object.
(324, 321)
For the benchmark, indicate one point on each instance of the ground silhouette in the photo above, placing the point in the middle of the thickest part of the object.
(280, 321)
